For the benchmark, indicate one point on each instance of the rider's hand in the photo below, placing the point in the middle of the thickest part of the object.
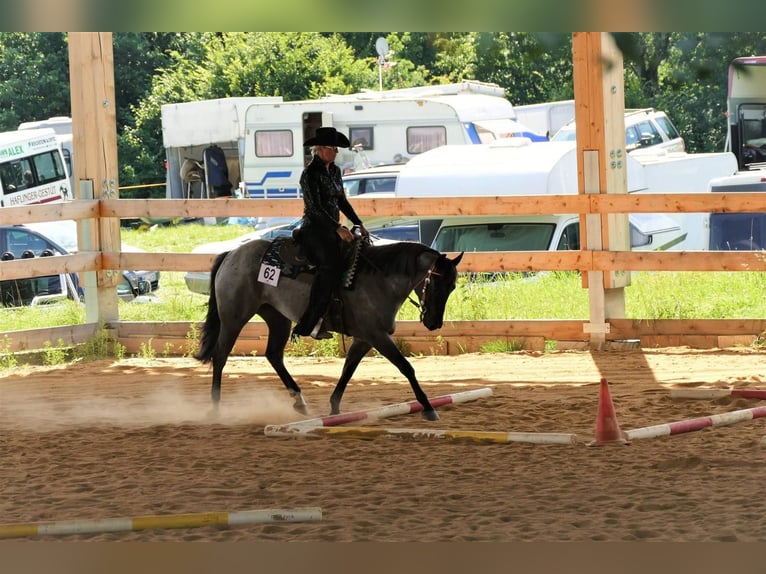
(345, 233)
(363, 231)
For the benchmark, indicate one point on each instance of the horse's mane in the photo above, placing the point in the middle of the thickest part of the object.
(393, 258)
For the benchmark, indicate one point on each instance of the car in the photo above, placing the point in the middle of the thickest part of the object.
(645, 129)
(135, 284)
(380, 179)
(28, 241)
(18, 242)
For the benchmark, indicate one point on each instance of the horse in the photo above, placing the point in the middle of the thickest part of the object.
(242, 285)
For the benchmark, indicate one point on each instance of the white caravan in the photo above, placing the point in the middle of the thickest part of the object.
(546, 118)
(262, 138)
(514, 167)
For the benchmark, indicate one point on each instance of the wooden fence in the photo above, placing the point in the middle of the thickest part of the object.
(454, 337)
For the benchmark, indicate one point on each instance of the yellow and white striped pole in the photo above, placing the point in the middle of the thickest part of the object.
(63, 527)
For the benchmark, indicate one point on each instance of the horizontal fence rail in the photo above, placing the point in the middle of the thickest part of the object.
(459, 334)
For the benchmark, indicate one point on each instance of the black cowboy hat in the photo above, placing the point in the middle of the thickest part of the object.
(328, 136)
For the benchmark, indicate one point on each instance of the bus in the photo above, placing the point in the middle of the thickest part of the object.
(32, 168)
(62, 125)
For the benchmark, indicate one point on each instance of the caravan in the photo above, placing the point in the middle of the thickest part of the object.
(262, 138)
(746, 139)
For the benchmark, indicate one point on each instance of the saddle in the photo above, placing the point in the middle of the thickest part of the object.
(287, 255)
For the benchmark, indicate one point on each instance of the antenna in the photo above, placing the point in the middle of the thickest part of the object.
(381, 47)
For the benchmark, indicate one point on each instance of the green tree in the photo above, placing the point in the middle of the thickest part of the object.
(35, 72)
(532, 68)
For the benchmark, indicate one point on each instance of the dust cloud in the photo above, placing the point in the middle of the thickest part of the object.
(168, 405)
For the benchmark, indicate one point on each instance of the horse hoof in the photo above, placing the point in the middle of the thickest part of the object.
(300, 403)
(431, 415)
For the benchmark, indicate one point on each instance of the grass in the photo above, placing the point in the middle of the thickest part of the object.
(549, 295)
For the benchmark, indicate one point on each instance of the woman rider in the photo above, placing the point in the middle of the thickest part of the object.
(321, 233)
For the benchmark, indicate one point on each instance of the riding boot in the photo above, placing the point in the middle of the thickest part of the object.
(319, 301)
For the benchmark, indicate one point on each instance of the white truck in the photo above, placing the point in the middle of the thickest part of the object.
(516, 167)
(262, 138)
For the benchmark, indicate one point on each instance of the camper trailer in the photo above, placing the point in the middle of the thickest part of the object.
(746, 111)
(516, 167)
(262, 138)
(546, 118)
(746, 139)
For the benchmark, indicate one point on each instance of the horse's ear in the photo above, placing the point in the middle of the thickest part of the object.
(457, 259)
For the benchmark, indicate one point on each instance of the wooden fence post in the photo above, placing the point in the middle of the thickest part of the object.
(94, 130)
(601, 168)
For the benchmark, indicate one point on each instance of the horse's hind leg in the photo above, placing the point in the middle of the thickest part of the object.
(225, 343)
(386, 347)
(279, 333)
(354, 355)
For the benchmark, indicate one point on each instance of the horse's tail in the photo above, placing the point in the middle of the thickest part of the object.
(212, 326)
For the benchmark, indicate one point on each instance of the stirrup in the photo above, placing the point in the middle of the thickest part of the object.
(318, 333)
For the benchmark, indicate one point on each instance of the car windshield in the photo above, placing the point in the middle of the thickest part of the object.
(495, 237)
(565, 135)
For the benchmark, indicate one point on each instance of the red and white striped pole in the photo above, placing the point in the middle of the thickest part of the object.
(689, 425)
(391, 410)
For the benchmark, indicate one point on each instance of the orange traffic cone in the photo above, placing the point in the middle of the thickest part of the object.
(607, 428)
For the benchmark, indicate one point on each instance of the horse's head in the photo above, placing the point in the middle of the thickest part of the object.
(439, 282)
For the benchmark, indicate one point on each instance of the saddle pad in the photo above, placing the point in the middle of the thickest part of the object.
(285, 254)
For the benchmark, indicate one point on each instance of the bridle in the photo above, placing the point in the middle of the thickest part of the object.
(426, 281)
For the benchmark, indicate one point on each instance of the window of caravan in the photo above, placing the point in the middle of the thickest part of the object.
(495, 237)
(423, 138)
(273, 143)
(753, 121)
(361, 136)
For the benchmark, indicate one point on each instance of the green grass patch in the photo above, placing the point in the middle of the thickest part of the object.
(509, 296)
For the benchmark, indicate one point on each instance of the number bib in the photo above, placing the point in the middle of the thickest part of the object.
(269, 274)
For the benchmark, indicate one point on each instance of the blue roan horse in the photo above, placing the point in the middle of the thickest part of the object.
(385, 275)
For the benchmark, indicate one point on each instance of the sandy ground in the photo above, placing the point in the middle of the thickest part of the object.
(139, 437)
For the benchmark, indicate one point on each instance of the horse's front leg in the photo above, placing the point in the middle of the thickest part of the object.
(386, 347)
(354, 355)
(279, 333)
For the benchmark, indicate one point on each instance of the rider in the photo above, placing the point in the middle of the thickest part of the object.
(322, 234)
